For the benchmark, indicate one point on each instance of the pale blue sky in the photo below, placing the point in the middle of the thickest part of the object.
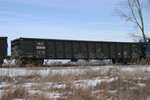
(64, 19)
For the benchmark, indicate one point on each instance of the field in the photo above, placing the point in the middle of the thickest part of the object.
(109, 82)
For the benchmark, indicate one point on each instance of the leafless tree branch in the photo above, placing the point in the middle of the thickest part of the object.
(133, 14)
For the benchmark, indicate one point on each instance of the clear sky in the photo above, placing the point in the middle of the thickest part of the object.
(64, 19)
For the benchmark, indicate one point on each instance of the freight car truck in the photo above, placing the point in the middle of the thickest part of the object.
(3, 49)
(34, 50)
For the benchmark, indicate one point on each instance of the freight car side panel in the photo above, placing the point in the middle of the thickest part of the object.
(76, 50)
(105, 50)
(99, 50)
(59, 50)
(16, 48)
(91, 50)
(148, 50)
(135, 51)
(40, 49)
(51, 48)
(26, 48)
(3, 46)
(84, 50)
(126, 50)
(68, 49)
(112, 48)
(119, 50)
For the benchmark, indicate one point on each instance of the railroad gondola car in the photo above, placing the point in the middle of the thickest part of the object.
(35, 50)
(3, 49)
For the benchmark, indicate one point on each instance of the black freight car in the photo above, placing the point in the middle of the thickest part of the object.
(3, 49)
(33, 50)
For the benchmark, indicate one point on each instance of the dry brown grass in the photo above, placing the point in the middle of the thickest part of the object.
(125, 89)
(127, 86)
(18, 93)
(21, 93)
(28, 78)
(80, 94)
(6, 79)
(65, 78)
(9, 87)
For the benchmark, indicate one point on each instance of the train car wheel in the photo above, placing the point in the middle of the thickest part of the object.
(114, 61)
(1, 62)
(37, 62)
(74, 60)
(21, 62)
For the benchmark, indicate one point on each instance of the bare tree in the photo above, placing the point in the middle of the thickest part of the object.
(149, 3)
(132, 13)
(135, 37)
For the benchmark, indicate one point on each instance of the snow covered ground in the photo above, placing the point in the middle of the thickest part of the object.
(101, 82)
